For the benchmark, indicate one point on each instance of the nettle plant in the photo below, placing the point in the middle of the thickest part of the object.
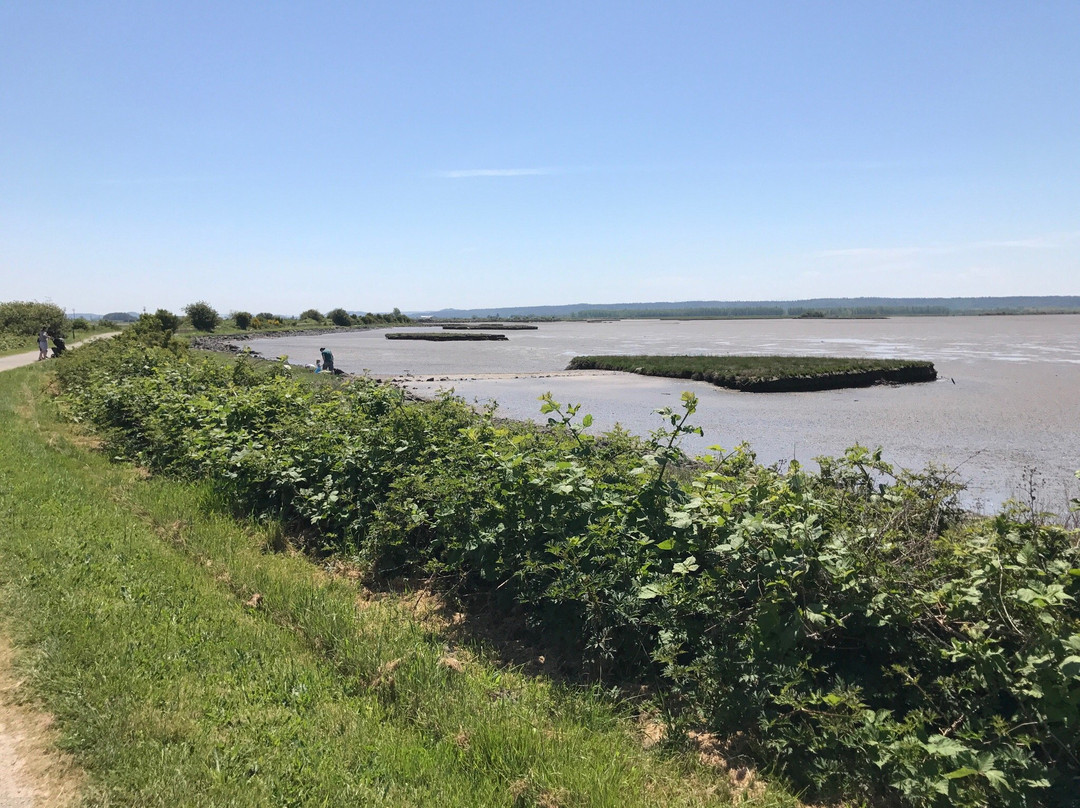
(853, 627)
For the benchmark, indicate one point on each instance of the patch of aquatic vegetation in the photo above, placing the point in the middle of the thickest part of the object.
(768, 373)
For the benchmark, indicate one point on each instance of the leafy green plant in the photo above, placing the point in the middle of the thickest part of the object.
(339, 317)
(168, 320)
(27, 318)
(202, 315)
(860, 632)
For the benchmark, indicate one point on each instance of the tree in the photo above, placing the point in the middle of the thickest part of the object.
(203, 316)
(26, 318)
(339, 317)
(243, 319)
(168, 320)
(312, 314)
(265, 316)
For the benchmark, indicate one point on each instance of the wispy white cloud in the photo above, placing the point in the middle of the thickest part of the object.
(466, 173)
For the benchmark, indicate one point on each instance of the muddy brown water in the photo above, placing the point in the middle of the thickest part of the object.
(1005, 412)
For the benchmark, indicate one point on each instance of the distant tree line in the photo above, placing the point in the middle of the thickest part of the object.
(867, 306)
(869, 311)
(204, 317)
(703, 311)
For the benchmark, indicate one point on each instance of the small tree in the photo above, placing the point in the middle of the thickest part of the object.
(312, 314)
(203, 316)
(168, 320)
(243, 319)
(27, 318)
(339, 317)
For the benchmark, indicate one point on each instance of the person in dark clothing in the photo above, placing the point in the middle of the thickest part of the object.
(59, 346)
(327, 359)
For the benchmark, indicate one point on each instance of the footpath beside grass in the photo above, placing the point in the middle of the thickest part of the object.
(187, 664)
(768, 374)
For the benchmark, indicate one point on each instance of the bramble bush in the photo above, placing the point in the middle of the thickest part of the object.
(861, 633)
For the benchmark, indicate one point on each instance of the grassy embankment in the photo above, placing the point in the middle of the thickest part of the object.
(852, 627)
(767, 373)
(188, 664)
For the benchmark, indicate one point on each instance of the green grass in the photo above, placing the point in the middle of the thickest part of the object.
(16, 344)
(766, 373)
(128, 601)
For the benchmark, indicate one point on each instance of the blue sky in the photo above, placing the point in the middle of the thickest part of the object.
(280, 156)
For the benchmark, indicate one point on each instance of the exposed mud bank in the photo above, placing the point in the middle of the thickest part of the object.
(443, 336)
(489, 327)
(226, 343)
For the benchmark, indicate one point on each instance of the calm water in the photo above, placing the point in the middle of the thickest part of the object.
(1008, 400)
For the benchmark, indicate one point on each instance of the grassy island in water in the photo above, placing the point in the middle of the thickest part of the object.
(768, 374)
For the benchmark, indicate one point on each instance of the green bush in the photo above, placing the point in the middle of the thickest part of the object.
(202, 315)
(168, 320)
(857, 630)
(339, 317)
(28, 318)
(243, 319)
(312, 314)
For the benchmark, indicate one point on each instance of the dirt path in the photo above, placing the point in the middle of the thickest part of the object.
(30, 357)
(33, 773)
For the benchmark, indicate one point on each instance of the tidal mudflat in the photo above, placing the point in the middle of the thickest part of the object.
(1006, 406)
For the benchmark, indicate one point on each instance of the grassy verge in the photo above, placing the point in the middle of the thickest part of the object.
(187, 665)
(767, 373)
(16, 344)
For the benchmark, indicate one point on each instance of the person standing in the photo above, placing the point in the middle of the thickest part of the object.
(43, 344)
(327, 359)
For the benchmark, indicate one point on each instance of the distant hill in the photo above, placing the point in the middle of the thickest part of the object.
(828, 306)
(117, 316)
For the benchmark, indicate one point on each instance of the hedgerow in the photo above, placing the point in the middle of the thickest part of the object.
(855, 628)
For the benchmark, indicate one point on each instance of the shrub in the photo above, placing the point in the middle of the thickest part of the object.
(859, 632)
(312, 314)
(168, 320)
(27, 318)
(203, 316)
(243, 319)
(339, 317)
